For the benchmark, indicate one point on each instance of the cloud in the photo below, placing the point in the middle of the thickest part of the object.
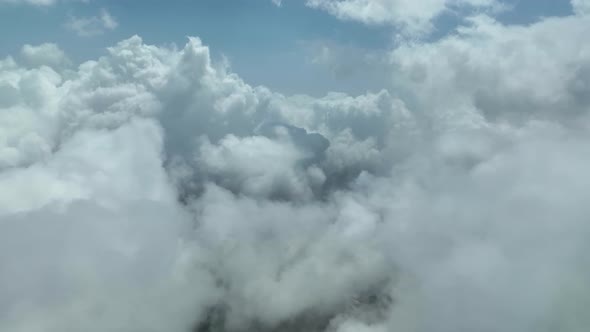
(413, 17)
(36, 2)
(47, 54)
(31, 2)
(499, 77)
(347, 62)
(581, 7)
(153, 189)
(73, 159)
(92, 26)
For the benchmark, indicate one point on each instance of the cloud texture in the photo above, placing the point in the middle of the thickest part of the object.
(152, 189)
(413, 17)
(93, 25)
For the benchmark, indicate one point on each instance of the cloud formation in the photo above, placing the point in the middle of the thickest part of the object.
(413, 17)
(581, 7)
(47, 54)
(153, 189)
(93, 25)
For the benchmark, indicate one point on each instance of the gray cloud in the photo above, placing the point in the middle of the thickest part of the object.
(581, 7)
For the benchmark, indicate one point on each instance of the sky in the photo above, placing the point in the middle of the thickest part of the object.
(256, 36)
(313, 165)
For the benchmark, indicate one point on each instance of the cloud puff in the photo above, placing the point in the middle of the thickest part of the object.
(92, 26)
(152, 189)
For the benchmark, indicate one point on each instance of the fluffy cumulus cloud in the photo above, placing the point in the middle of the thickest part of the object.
(152, 189)
(506, 77)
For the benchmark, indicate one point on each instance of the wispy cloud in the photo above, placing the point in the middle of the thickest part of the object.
(30, 2)
(413, 17)
(93, 25)
(37, 2)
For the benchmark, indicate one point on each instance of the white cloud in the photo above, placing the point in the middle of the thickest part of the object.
(414, 17)
(92, 26)
(152, 189)
(47, 54)
(235, 164)
(495, 69)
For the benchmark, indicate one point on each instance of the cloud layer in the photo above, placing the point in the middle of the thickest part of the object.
(152, 189)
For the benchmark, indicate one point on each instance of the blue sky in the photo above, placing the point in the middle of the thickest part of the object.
(257, 37)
